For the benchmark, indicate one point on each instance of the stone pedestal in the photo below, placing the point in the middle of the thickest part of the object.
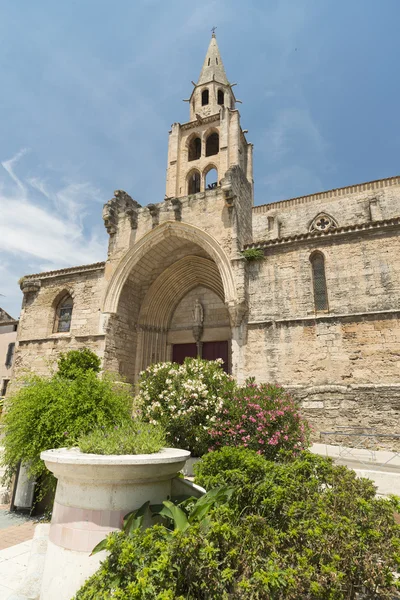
(94, 493)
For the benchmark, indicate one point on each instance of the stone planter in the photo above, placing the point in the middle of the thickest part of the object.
(188, 468)
(93, 494)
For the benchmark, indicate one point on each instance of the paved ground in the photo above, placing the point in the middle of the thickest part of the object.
(13, 566)
(14, 528)
(16, 533)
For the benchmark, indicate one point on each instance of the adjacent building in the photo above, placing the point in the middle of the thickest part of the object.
(8, 336)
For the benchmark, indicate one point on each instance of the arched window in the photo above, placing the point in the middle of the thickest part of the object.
(204, 97)
(194, 149)
(193, 182)
(212, 144)
(211, 179)
(220, 97)
(64, 315)
(319, 281)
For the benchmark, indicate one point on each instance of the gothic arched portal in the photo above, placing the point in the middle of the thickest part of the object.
(151, 280)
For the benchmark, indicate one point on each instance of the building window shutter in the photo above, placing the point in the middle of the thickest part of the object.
(10, 355)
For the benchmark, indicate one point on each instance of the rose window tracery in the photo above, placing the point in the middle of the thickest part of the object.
(323, 223)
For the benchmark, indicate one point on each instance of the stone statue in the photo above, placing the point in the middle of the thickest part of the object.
(198, 313)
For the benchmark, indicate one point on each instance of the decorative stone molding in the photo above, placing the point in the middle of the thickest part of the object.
(154, 210)
(323, 222)
(209, 119)
(368, 226)
(68, 271)
(315, 319)
(237, 311)
(30, 286)
(175, 229)
(177, 208)
(173, 284)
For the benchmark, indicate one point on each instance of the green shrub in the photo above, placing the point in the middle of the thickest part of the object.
(305, 530)
(184, 399)
(133, 437)
(253, 254)
(72, 363)
(53, 412)
(263, 418)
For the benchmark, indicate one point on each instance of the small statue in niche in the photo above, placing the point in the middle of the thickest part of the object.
(198, 313)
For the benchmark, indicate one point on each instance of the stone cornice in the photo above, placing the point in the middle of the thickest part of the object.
(68, 271)
(334, 193)
(55, 338)
(203, 121)
(314, 319)
(327, 235)
(11, 322)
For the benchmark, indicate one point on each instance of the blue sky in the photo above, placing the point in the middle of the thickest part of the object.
(89, 89)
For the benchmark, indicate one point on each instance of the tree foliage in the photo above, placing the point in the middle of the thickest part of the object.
(53, 412)
(71, 364)
(302, 529)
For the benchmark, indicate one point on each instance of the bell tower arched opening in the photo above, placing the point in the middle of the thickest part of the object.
(193, 182)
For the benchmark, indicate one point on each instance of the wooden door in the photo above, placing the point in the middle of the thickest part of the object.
(182, 351)
(214, 350)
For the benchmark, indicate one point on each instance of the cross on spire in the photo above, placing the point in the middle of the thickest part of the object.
(213, 30)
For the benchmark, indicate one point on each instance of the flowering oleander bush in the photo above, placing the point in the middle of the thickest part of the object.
(263, 418)
(185, 400)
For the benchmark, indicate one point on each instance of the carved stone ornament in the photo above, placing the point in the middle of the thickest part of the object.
(122, 204)
(323, 223)
(237, 311)
(198, 313)
(177, 208)
(29, 286)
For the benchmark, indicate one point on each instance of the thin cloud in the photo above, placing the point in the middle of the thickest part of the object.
(43, 227)
(8, 165)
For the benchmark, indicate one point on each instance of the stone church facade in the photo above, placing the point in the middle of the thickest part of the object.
(318, 313)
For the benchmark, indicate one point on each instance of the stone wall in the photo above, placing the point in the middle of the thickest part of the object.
(344, 363)
(38, 345)
(374, 406)
(361, 276)
(371, 201)
(332, 350)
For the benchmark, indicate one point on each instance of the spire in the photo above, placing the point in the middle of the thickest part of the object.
(213, 67)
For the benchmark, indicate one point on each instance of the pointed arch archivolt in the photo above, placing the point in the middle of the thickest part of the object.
(149, 241)
(173, 284)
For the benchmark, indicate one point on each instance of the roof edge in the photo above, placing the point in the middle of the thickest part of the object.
(333, 193)
(69, 270)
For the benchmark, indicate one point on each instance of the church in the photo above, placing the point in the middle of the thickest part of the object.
(304, 292)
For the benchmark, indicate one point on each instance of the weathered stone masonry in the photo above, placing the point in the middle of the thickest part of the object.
(343, 362)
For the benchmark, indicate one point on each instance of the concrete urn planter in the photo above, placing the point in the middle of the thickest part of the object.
(94, 493)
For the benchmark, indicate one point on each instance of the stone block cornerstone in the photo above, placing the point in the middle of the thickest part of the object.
(318, 312)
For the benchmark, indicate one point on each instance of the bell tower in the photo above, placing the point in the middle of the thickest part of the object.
(201, 151)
